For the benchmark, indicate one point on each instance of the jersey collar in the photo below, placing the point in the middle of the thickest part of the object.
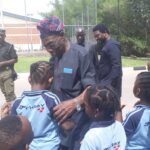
(98, 124)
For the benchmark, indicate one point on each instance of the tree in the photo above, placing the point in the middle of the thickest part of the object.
(130, 22)
(140, 13)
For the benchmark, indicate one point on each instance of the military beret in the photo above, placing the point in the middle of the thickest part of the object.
(2, 31)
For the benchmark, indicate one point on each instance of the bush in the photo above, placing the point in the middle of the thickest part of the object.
(132, 46)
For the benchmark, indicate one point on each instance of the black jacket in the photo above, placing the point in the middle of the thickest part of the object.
(109, 67)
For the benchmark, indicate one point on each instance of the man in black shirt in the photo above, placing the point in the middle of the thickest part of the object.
(106, 56)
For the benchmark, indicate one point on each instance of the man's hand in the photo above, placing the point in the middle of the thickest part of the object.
(8, 62)
(64, 110)
(1, 64)
(5, 109)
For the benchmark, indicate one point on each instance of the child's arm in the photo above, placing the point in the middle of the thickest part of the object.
(67, 126)
(132, 121)
(14, 107)
(118, 115)
(5, 109)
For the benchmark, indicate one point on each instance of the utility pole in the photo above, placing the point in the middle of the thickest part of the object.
(63, 11)
(88, 19)
(118, 11)
(95, 2)
(25, 9)
(82, 19)
(1, 13)
(30, 27)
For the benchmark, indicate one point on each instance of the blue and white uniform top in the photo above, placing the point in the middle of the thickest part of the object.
(137, 128)
(37, 107)
(104, 135)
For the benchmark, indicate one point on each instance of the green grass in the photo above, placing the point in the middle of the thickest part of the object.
(24, 62)
(134, 62)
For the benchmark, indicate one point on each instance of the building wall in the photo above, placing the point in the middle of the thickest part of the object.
(23, 34)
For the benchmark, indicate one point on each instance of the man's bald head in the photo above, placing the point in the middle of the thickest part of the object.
(80, 36)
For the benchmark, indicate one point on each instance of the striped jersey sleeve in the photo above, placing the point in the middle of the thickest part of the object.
(51, 100)
(132, 120)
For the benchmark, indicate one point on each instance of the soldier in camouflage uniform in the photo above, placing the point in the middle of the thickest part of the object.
(8, 58)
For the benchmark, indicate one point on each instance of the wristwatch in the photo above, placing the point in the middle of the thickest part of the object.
(78, 106)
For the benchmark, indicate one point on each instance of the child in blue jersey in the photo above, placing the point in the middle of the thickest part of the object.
(137, 122)
(105, 133)
(37, 106)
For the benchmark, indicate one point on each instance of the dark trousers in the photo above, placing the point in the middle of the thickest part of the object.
(73, 141)
(63, 147)
(79, 132)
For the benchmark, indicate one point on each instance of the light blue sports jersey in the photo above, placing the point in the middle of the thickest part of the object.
(37, 107)
(104, 135)
(137, 128)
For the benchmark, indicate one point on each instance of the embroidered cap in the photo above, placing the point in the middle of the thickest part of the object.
(50, 26)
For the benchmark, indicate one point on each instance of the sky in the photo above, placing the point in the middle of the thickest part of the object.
(33, 7)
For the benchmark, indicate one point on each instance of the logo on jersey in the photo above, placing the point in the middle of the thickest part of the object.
(39, 107)
(114, 146)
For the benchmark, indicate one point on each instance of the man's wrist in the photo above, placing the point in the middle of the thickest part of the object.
(78, 105)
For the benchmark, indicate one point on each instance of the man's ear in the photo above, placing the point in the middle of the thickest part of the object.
(106, 35)
(29, 79)
(97, 113)
(50, 80)
(137, 92)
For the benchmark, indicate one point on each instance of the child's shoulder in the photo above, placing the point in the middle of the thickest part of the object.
(136, 114)
(17, 101)
(138, 109)
(50, 96)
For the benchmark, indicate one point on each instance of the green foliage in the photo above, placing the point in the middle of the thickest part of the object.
(73, 10)
(138, 13)
(133, 46)
(128, 20)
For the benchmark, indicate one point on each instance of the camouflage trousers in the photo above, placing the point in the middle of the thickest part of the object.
(7, 84)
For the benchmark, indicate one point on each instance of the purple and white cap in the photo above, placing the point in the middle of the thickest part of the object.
(50, 26)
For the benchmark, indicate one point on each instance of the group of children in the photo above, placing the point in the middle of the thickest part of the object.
(101, 105)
